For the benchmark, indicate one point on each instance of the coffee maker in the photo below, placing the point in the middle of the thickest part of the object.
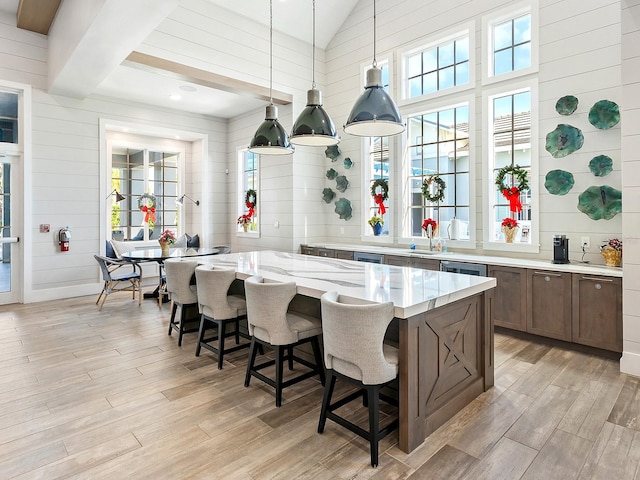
(560, 249)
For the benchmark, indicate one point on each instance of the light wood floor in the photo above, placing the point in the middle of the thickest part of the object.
(88, 394)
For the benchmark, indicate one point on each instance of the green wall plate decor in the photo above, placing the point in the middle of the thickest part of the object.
(564, 140)
(332, 152)
(603, 202)
(567, 105)
(604, 114)
(558, 182)
(331, 174)
(342, 183)
(348, 163)
(343, 209)
(328, 195)
(601, 165)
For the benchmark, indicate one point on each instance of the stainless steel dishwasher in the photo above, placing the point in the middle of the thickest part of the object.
(463, 267)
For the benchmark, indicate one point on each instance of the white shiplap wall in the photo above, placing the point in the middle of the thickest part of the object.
(630, 361)
(579, 54)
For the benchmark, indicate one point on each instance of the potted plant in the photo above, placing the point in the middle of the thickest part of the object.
(509, 229)
(376, 223)
(244, 221)
(611, 250)
(167, 238)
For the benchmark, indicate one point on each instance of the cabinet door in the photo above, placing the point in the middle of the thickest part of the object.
(425, 263)
(397, 260)
(326, 252)
(344, 254)
(549, 304)
(597, 311)
(306, 250)
(508, 301)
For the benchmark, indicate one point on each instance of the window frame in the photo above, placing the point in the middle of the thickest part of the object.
(241, 192)
(467, 28)
(488, 165)
(430, 107)
(501, 16)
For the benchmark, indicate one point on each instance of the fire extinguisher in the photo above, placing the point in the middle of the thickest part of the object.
(64, 235)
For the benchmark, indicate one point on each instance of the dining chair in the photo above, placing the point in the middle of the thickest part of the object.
(180, 285)
(271, 324)
(354, 351)
(219, 307)
(115, 272)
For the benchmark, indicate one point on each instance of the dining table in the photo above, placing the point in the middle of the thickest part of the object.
(156, 255)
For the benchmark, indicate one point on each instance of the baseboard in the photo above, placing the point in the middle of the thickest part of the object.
(630, 363)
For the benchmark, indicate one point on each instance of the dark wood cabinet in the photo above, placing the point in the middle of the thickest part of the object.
(306, 250)
(344, 254)
(326, 252)
(405, 261)
(397, 260)
(508, 301)
(597, 311)
(549, 304)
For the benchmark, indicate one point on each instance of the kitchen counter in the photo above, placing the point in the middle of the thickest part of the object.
(573, 267)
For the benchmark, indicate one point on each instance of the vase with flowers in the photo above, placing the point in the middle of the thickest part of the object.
(509, 229)
(611, 250)
(167, 238)
(244, 221)
(430, 226)
(376, 223)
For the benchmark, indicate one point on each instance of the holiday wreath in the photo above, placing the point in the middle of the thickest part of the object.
(379, 198)
(147, 204)
(512, 193)
(438, 195)
(250, 200)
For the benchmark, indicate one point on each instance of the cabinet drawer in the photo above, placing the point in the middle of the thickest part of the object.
(325, 252)
(508, 301)
(549, 304)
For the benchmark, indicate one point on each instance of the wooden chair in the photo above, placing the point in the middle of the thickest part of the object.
(354, 351)
(272, 325)
(114, 272)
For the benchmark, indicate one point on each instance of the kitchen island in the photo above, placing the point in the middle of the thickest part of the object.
(441, 328)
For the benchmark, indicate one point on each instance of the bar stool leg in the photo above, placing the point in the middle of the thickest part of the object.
(252, 360)
(173, 317)
(373, 395)
(326, 399)
(201, 333)
(279, 350)
(221, 332)
(315, 344)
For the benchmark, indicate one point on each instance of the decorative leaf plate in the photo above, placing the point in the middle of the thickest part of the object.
(331, 174)
(343, 209)
(342, 183)
(558, 182)
(328, 195)
(332, 152)
(567, 105)
(564, 140)
(604, 114)
(603, 202)
(601, 165)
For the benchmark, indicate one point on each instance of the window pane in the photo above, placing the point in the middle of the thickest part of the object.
(462, 73)
(462, 190)
(415, 87)
(447, 156)
(522, 29)
(430, 128)
(462, 50)
(414, 127)
(8, 117)
(502, 37)
(522, 56)
(430, 60)
(502, 62)
(445, 55)
(414, 65)
(430, 83)
(430, 155)
(446, 78)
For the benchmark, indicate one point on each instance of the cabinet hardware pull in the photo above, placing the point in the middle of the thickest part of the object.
(548, 273)
(598, 279)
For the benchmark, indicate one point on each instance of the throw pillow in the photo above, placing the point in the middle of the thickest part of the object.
(193, 242)
(109, 251)
(181, 242)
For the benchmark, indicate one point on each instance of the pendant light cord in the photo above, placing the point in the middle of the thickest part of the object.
(271, 52)
(375, 62)
(313, 54)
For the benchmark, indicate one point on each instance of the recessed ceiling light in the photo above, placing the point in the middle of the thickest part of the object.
(175, 96)
(187, 88)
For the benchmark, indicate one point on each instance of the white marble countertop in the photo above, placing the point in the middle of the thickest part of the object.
(573, 267)
(412, 290)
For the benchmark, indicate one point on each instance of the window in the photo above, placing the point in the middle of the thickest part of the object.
(378, 169)
(248, 168)
(8, 117)
(148, 180)
(438, 67)
(510, 45)
(438, 143)
(510, 133)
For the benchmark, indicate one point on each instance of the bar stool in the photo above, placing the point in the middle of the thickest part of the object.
(354, 350)
(217, 306)
(272, 325)
(179, 274)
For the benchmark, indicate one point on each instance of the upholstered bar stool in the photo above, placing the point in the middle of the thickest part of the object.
(219, 307)
(179, 274)
(272, 325)
(354, 350)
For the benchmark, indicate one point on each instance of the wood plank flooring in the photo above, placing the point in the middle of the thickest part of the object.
(93, 395)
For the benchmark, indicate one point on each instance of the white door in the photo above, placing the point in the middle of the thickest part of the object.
(11, 264)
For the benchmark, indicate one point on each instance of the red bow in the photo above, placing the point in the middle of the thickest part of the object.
(379, 201)
(513, 195)
(250, 206)
(149, 213)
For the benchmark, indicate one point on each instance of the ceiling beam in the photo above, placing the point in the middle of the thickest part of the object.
(37, 15)
(202, 77)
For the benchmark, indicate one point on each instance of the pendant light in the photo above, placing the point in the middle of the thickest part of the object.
(374, 114)
(270, 138)
(314, 126)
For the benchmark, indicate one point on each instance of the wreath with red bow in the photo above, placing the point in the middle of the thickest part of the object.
(512, 193)
(147, 205)
(251, 201)
(379, 198)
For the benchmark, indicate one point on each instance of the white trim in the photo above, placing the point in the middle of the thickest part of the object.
(455, 33)
(240, 205)
(488, 21)
(489, 188)
(630, 363)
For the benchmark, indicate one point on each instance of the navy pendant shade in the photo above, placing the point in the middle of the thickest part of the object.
(271, 138)
(374, 114)
(314, 127)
